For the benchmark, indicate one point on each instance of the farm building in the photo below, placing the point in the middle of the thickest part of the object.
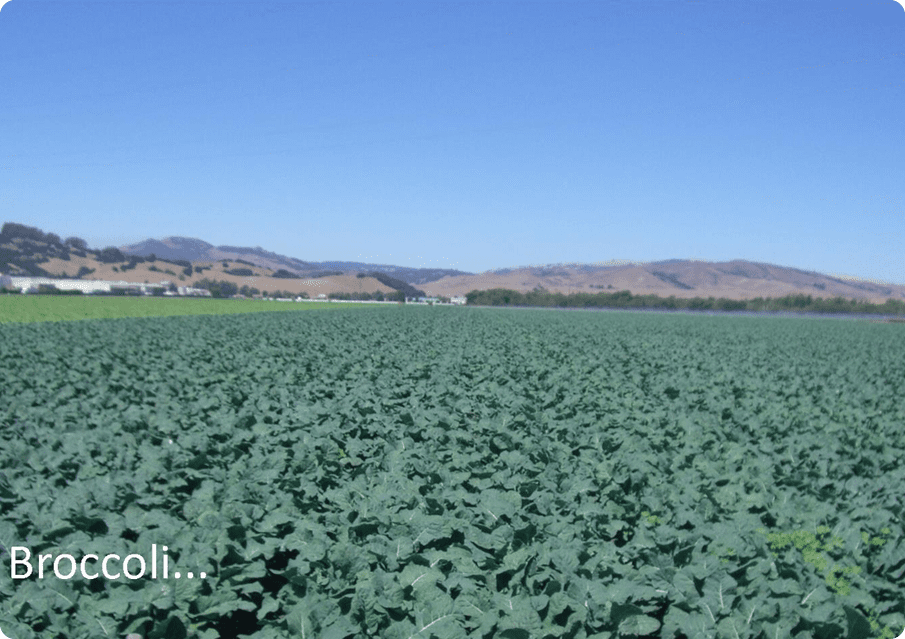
(88, 287)
(193, 292)
(32, 284)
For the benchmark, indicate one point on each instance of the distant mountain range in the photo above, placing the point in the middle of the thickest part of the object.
(27, 250)
(195, 250)
(736, 279)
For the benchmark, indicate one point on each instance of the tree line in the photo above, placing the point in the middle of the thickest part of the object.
(377, 296)
(406, 289)
(625, 299)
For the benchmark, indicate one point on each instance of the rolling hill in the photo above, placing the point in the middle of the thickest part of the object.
(195, 250)
(184, 261)
(736, 279)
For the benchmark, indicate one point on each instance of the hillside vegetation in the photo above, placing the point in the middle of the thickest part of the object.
(682, 279)
(625, 300)
(27, 251)
(226, 270)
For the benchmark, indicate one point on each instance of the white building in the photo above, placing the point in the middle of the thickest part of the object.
(31, 284)
(88, 287)
(193, 292)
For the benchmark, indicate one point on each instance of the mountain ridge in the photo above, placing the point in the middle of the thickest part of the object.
(26, 250)
(733, 279)
(186, 248)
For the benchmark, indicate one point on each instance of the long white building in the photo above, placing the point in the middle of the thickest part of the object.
(32, 284)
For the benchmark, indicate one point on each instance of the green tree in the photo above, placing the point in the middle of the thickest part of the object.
(218, 288)
(76, 243)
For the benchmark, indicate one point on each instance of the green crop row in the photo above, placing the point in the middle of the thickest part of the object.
(408, 473)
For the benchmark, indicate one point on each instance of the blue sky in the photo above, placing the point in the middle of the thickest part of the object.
(471, 135)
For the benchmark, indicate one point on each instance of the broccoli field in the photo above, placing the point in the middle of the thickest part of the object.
(426, 472)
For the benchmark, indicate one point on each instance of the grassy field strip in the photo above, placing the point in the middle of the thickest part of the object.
(34, 308)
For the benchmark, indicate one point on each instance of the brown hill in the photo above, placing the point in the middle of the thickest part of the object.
(194, 250)
(26, 250)
(261, 278)
(738, 279)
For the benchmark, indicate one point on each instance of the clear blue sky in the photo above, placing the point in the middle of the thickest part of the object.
(471, 135)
